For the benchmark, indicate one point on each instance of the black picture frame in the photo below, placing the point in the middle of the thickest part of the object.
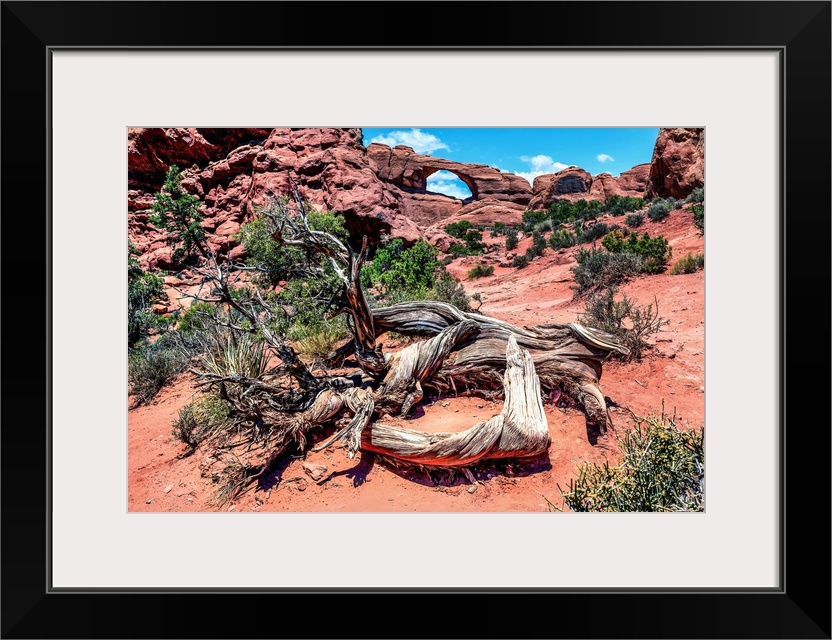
(800, 608)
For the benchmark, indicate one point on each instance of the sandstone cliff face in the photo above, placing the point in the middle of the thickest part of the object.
(380, 190)
(678, 164)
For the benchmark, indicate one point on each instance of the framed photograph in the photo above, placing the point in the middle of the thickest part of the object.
(83, 556)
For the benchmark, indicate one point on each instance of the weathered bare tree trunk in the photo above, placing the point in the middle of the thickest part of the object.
(519, 430)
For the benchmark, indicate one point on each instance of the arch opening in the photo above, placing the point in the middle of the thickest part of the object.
(448, 183)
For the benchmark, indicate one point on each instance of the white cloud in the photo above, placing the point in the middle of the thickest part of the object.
(448, 184)
(603, 157)
(420, 141)
(540, 165)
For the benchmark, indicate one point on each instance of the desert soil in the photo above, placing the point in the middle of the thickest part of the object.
(670, 377)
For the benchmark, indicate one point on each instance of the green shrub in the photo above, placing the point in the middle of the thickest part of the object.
(201, 420)
(520, 261)
(538, 243)
(634, 220)
(663, 469)
(499, 228)
(511, 239)
(236, 355)
(698, 211)
(561, 239)
(697, 195)
(402, 275)
(658, 211)
(143, 289)
(596, 231)
(480, 271)
(618, 205)
(458, 229)
(598, 268)
(150, 368)
(624, 319)
(689, 264)
(531, 218)
(177, 212)
(654, 252)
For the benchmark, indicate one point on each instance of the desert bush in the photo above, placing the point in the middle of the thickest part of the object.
(148, 370)
(532, 218)
(659, 210)
(538, 243)
(499, 228)
(403, 275)
(480, 271)
(143, 289)
(458, 229)
(697, 195)
(546, 226)
(318, 340)
(520, 261)
(654, 252)
(200, 420)
(689, 264)
(599, 268)
(596, 231)
(662, 469)
(630, 323)
(618, 205)
(511, 239)
(634, 220)
(561, 239)
(698, 211)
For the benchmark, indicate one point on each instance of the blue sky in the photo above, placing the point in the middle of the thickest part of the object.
(528, 152)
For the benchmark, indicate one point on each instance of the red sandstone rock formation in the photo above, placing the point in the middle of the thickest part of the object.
(630, 183)
(570, 184)
(678, 164)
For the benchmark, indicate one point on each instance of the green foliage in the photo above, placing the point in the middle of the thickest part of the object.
(599, 268)
(531, 218)
(200, 420)
(654, 252)
(499, 228)
(630, 323)
(634, 220)
(538, 243)
(594, 232)
(473, 244)
(143, 289)
(698, 211)
(689, 264)
(619, 205)
(318, 340)
(401, 275)
(561, 239)
(663, 469)
(149, 368)
(480, 271)
(236, 355)
(697, 195)
(659, 210)
(458, 229)
(520, 261)
(511, 239)
(177, 212)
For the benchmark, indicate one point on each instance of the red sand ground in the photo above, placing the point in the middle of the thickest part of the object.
(672, 374)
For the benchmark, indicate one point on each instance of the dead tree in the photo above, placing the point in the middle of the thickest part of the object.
(460, 351)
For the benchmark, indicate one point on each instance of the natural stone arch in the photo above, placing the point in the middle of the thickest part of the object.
(428, 171)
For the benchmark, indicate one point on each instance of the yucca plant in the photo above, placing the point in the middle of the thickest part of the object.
(236, 355)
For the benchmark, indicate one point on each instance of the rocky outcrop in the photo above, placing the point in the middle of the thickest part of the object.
(570, 184)
(678, 164)
(380, 190)
(630, 183)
